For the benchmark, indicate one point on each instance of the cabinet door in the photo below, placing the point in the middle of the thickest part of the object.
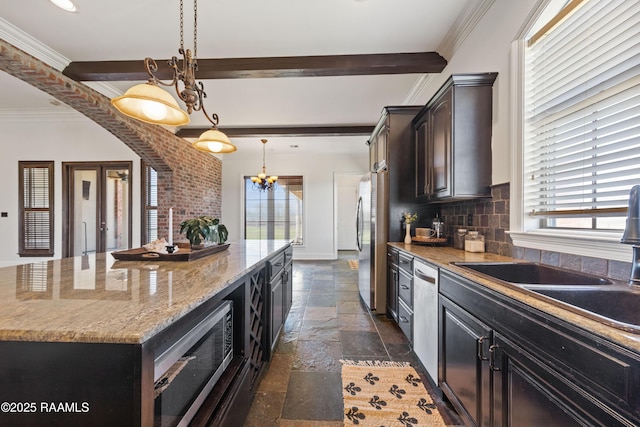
(373, 154)
(382, 141)
(287, 283)
(464, 363)
(392, 291)
(277, 308)
(528, 393)
(420, 140)
(440, 126)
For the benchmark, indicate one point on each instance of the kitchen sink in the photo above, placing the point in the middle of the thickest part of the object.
(532, 273)
(610, 302)
(617, 308)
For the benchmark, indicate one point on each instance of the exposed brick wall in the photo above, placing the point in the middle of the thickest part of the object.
(188, 180)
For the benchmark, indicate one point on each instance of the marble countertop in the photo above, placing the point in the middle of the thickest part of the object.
(98, 299)
(444, 257)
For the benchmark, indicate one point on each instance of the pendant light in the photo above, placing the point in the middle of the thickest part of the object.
(150, 103)
(262, 182)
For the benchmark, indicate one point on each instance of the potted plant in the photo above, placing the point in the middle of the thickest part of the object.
(204, 230)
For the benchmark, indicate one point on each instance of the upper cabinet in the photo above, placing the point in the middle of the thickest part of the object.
(391, 153)
(452, 136)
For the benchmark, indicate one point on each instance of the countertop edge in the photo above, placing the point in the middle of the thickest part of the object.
(443, 257)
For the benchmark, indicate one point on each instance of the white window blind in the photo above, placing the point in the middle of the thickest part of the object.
(36, 209)
(582, 113)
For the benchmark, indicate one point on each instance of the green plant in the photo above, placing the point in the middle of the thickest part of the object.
(409, 218)
(204, 228)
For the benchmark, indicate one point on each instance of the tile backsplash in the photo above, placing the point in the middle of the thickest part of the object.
(490, 217)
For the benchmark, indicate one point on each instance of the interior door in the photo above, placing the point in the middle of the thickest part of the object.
(97, 207)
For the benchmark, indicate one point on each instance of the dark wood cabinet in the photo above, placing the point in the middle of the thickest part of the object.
(506, 364)
(393, 144)
(392, 283)
(464, 363)
(452, 136)
(405, 294)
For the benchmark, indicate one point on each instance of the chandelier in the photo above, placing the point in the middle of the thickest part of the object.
(261, 182)
(150, 103)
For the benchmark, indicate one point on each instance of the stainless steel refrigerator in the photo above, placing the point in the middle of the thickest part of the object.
(371, 230)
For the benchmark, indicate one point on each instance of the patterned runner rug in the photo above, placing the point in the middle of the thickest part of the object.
(380, 393)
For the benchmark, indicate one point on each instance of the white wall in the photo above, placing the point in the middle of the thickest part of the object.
(318, 173)
(69, 137)
(487, 49)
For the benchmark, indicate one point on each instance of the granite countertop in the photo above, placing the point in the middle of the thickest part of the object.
(98, 299)
(443, 256)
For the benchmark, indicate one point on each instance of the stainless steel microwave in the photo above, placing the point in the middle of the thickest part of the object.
(186, 372)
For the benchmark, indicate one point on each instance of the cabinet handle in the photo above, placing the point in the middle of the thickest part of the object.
(419, 274)
(404, 287)
(404, 319)
(492, 357)
(480, 344)
(278, 264)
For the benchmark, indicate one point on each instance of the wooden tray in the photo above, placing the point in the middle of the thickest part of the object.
(429, 240)
(183, 254)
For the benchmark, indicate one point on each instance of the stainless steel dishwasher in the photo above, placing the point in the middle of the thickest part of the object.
(425, 317)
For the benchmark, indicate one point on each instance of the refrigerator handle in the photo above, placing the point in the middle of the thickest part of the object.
(359, 224)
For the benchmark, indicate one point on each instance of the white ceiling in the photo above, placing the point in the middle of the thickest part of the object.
(134, 29)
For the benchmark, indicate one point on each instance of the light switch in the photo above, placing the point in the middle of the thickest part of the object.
(4, 214)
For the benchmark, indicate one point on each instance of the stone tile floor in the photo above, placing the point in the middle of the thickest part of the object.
(327, 322)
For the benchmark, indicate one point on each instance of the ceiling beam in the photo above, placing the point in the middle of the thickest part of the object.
(284, 66)
(281, 131)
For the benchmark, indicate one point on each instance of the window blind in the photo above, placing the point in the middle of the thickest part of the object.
(36, 210)
(582, 119)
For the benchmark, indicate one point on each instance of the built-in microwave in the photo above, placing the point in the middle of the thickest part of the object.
(187, 371)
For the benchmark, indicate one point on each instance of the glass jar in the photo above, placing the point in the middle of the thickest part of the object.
(458, 238)
(474, 242)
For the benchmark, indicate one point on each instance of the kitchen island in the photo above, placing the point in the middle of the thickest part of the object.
(80, 337)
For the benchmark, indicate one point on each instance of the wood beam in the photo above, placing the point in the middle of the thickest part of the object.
(284, 66)
(280, 131)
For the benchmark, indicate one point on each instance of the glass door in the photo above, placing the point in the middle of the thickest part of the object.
(98, 207)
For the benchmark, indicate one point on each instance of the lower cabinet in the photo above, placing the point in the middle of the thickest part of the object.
(503, 363)
(280, 296)
(276, 294)
(392, 283)
(464, 363)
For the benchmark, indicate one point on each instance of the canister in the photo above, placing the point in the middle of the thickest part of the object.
(474, 242)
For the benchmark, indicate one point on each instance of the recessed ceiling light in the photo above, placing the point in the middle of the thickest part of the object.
(65, 5)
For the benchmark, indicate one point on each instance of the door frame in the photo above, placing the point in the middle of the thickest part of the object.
(67, 198)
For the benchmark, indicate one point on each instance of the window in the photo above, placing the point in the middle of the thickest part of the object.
(581, 151)
(36, 209)
(149, 203)
(576, 75)
(275, 214)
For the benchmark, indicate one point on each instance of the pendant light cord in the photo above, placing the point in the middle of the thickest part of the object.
(195, 27)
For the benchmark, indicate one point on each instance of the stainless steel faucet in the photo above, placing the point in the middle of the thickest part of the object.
(631, 234)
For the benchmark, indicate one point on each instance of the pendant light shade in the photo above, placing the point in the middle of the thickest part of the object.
(150, 103)
(214, 141)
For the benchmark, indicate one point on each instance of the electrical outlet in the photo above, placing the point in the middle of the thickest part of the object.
(470, 219)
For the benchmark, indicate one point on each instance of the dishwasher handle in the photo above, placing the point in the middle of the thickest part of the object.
(423, 276)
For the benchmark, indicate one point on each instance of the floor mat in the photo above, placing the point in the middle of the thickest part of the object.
(385, 393)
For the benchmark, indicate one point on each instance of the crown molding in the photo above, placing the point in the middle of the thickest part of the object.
(40, 115)
(459, 31)
(32, 46)
(464, 25)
